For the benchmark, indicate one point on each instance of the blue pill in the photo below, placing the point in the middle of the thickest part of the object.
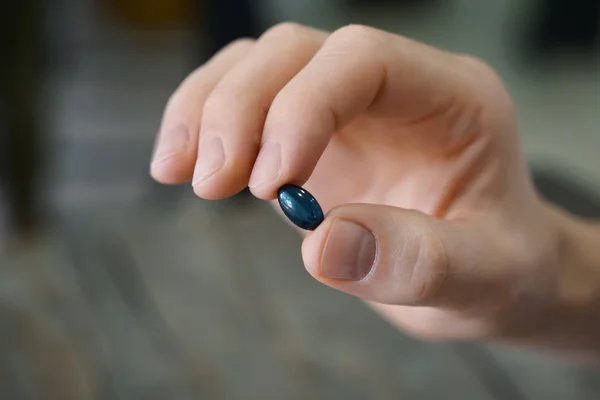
(300, 207)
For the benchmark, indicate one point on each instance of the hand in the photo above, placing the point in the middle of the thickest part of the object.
(412, 151)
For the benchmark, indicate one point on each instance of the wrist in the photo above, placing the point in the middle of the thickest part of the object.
(579, 259)
(575, 310)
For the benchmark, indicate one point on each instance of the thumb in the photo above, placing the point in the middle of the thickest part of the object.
(394, 256)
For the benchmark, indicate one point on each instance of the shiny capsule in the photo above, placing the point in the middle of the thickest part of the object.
(300, 207)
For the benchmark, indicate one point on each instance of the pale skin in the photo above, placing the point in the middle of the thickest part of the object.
(414, 154)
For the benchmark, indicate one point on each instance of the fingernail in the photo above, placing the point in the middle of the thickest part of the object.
(268, 163)
(211, 158)
(349, 251)
(171, 143)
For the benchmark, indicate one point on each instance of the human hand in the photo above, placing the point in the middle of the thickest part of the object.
(412, 151)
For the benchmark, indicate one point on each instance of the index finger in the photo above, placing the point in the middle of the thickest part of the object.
(358, 69)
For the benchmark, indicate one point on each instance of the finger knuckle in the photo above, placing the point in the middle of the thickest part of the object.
(241, 43)
(487, 86)
(479, 67)
(430, 269)
(354, 33)
(287, 30)
(356, 44)
(475, 62)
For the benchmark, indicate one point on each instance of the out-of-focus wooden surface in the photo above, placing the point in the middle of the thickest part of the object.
(201, 303)
(190, 299)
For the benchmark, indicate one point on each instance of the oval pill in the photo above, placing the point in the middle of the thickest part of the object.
(300, 207)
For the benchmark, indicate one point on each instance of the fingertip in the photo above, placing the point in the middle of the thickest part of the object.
(266, 193)
(205, 192)
(224, 183)
(212, 188)
(266, 170)
(171, 171)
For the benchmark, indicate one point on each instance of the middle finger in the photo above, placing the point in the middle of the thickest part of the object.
(234, 113)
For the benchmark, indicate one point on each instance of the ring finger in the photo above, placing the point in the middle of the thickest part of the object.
(177, 140)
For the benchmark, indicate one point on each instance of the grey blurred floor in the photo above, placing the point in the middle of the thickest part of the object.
(145, 292)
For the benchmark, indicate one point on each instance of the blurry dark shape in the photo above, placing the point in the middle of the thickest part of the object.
(228, 20)
(571, 26)
(22, 73)
(395, 3)
(150, 14)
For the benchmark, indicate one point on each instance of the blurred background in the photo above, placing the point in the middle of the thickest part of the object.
(112, 287)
